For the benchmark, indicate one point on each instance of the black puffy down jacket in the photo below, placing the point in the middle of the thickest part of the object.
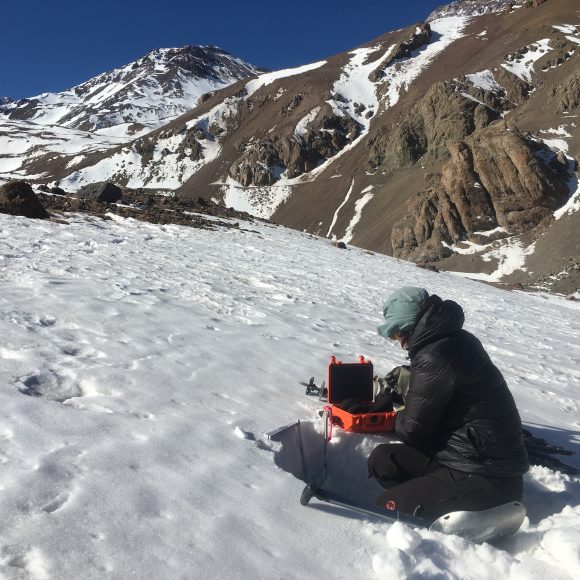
(458, 408)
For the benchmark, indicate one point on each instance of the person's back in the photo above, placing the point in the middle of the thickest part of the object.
(480, 429)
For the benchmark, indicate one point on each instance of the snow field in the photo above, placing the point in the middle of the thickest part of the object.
(268, 78)
(256, 200)
(399, 78)
(141, 364)
(486, 81)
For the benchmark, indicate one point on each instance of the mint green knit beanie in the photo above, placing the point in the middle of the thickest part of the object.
(401, 310)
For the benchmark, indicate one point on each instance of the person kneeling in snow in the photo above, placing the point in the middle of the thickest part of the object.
(461, 431)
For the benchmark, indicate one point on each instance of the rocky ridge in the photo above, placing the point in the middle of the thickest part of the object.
(19, 198)
(475, 8)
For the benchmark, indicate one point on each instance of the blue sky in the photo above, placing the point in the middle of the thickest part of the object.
(51, 45)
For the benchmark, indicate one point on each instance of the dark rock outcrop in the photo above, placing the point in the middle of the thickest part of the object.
(102, 192)
(441, 116)
(259, 165)
(151, 207)
(492, 179)
(420, 36)
(568, 94)
(263, 162)
(18, 198)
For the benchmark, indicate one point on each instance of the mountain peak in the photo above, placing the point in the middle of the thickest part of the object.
(139, 96)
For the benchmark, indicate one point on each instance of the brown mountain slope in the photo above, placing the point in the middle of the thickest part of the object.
(442, 117)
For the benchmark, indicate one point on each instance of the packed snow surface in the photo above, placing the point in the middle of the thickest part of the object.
(140, 366)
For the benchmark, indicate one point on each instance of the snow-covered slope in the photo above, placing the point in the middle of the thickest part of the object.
(25, 141)
(110, 109)
(139, 96)
(141, 364)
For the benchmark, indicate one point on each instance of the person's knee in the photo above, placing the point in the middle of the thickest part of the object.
(399, 462)
(380, 464)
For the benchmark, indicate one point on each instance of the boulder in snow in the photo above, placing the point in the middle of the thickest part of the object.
(18, 198)
(102, 191)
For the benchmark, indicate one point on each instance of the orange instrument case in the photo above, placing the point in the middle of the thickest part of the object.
(355, 381)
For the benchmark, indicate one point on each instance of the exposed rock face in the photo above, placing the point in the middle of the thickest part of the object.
(441, 116)
(420, 37)
(568, 94)
(103, 192)
(18, 198)
(188, 146)
(493, 178)
(263, 162)
(522, 187)
(258, 165)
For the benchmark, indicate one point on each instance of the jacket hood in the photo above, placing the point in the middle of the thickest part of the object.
(438, 319)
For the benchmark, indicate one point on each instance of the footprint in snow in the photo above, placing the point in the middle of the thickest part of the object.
(51, 485)
(30, 322)
(56, 503)
(26, 558)
(142, 415)
(51, 385)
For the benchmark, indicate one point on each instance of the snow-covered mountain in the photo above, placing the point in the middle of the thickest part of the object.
(452, 142)
(141, 365)
(139, 96)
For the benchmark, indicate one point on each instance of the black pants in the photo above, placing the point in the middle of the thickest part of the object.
(416, 484)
